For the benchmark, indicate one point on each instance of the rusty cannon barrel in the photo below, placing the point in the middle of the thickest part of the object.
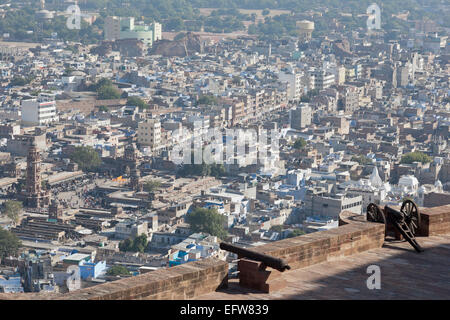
(393, 214)
(275, 263)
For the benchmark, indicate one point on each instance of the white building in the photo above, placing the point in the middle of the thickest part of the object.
(323, 79)
(372, 190)
(117, 28)
(149, 134)
(39, 111)
(409, 184)
(296, 89)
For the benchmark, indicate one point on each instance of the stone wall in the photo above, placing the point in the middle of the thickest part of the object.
(434, 221)
(185, 281)
(354, 235)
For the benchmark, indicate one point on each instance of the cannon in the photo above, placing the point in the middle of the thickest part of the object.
(269, 261)
(405, 222)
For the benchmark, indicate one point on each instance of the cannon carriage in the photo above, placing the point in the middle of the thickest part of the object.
(404, 223)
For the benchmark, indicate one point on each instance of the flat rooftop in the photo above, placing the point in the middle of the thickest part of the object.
(405, 274)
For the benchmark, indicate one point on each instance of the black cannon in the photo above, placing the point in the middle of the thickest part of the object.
(405, 222)
(269, 261)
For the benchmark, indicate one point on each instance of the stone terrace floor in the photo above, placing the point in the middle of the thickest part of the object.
(405, 274)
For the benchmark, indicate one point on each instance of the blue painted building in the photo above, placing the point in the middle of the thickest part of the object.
(92, 270)
(11, 284)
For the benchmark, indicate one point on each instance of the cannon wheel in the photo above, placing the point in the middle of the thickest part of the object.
(412, 215)
(375, 214)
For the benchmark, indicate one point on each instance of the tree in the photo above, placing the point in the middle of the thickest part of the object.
(208, 221)
(137, 102)
(86, 158)
(103, 82)
(9, 244)
(299, 144)
(416, 156)
(175, 24)
(108, 92)
(207, 99)
(152, 185)
(265, 12)
(213, 170)
(12, 210)
(295, 233)
(362, 160)
(252, 29)
(138, 244)
(20, 81)
(118, 271)
(103, 109)
(126, 245)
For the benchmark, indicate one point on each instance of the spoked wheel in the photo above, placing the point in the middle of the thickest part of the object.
(412, 215)
(375, 214)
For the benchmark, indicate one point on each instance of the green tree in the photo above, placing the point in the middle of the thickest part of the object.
(118, 271)
(126, 245)
(9, 244)
(299, 144)
(20, 81)
(137, 102)
(152, 185)
(103, 82)
(86, 157)
(295, 233)
(138, 244)
(207, 99)
(362, 160)
(12, 210)
(208, 221)
(103, 109)
(108, 92)
(415, 156)
(265, 12)
(175, 24)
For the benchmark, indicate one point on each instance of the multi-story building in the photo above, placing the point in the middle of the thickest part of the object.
(117, 28)
(39, 111)
(323, 205)
(149, 134)
(294, 80)
(300, 117)
(323, 80)
(349, 101)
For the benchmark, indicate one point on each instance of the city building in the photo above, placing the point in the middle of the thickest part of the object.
(120, 28)
(39, 111)
(149, 134)
(300, 117)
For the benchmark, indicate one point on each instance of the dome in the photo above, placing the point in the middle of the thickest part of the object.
(408, 181)
(375, 179)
